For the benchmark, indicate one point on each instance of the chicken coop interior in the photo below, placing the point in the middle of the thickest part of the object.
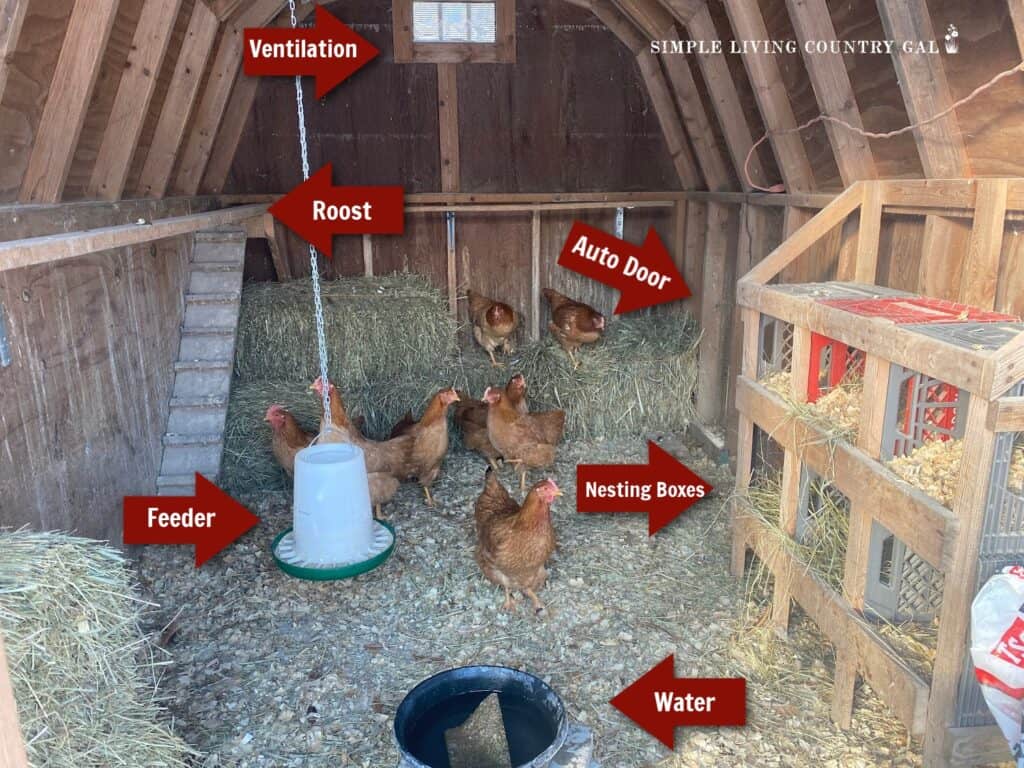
(838, 182)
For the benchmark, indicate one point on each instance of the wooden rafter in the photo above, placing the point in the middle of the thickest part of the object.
(134, 92)
(683, 9)
(243, 95)
(78, 66)
(833, 90)
(1017, 18)
(224, 9)
(770, 91)
(726, 100)
(226, 64)
(925, 90)
(177, 106)
(657, 90)
(12, 16)
(658, 24)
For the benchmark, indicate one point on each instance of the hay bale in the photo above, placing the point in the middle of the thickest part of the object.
(640, 378)
(376, 328)
(83, 671)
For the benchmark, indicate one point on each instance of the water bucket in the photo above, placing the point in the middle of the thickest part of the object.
(333, 521)
(534, 715)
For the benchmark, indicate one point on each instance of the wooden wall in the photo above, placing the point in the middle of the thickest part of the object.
(570, 115)
(93, 339)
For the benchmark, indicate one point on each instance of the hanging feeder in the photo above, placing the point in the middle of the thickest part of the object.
(333, 535)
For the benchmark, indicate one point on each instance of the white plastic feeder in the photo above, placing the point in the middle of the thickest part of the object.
(333, 518)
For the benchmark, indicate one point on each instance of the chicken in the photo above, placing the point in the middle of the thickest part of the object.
(525, 439)
(471, 416)
(430, 439)
(387, 462)
(573, 324)
(493, 324)
(514, 542)
(288, 438)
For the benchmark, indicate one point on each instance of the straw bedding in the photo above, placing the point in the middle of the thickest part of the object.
(84, 674)
(641, 376)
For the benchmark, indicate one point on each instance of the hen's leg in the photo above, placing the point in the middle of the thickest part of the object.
(509, 604)
(493, 463)
(522, 477)
(494, 361)
(430, 499)
(538, 606)
(378, 512)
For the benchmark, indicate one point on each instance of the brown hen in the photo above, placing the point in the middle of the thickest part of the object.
(471, 416)
(493, 324)
(573, 323)
(288, 438)
(525, 439)
(430, 439)
(514, 542)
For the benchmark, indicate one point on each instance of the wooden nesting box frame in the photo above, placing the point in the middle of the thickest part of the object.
(948, 539)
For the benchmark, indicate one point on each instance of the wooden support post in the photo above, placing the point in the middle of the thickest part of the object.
(981, 267)
(448, 125)
(789, 503)
(219, 83)
(68, 100)
(845, 683)
(959, 583)
(368, 255)
(535, 276)
(453, 279)
(751, 321)
(679, 237)
(748, 24)
(177, 106)
(866, 264)
(726, 100)
(134, 92)
(800, 364)
(280, 259)
(12, 743)
(832, 89)
(715, 315)
(12, 16)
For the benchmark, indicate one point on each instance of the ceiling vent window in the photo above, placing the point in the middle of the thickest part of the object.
(449, 31)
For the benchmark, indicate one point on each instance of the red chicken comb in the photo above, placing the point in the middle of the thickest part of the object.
(273, 412)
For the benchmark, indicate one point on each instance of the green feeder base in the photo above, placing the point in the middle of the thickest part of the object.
(283, 550)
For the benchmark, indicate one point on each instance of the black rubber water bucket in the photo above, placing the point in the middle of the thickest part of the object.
(535, 721)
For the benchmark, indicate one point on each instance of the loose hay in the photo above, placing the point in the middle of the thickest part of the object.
(837, 412)
(84, 673)
(640, 377)
(376, 328)
(934, 467)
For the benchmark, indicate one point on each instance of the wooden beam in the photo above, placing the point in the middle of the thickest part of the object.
(715, 313)
(68, 100)
(367, 255)
(448, 125)
(770, 91)
(177, 106)
(1008, 415)
(131, 104)
(236, 115)
(866, 261)
(12, 16)
(12, 743)
(832, 89)
(726, 101)
(15, 254)
(658, 24)
(1017, 18)
(535, 257)
(223, 9)
(981, 265)
(925, 90)
(210, 112)
(277, 254)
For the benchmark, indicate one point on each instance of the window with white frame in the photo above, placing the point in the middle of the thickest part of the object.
(454, 30)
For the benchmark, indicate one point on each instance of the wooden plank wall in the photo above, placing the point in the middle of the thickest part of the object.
(85, 399)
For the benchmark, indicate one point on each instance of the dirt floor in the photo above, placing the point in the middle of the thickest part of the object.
(273, 671)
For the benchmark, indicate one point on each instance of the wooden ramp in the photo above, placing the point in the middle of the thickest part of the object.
(194, 440)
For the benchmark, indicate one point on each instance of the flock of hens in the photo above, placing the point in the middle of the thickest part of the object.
(514, 541)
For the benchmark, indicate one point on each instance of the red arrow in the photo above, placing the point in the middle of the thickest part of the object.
(331, 51)
(664, 488)
(645, 274)
(316, 211)
(211, 519)
(659, 701)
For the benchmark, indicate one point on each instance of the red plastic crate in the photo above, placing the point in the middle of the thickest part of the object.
(917, 310)
(840, 360)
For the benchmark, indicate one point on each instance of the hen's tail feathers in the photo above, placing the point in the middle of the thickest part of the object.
(404, 425)
(555, 299)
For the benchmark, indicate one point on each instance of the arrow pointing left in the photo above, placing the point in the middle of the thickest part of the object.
(211, 520)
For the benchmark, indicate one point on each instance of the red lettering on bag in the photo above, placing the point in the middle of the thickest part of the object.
(1011, 646)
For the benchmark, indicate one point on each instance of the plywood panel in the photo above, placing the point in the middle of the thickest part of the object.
(899, 251)
(93, 341)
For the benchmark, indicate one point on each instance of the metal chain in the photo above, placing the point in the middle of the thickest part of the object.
(314, 266)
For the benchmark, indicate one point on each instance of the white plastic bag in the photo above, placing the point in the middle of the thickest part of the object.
(997, 649)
